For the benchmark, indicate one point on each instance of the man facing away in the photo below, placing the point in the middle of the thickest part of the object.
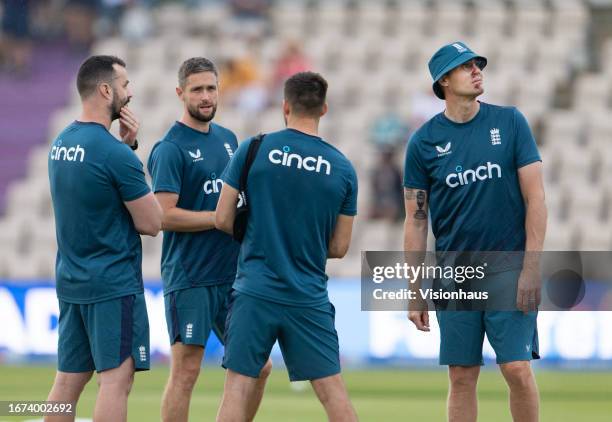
(302, 194)
(476, 167)
(101, 203)
(198, 261)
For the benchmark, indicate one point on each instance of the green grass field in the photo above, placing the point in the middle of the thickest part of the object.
(382, 395)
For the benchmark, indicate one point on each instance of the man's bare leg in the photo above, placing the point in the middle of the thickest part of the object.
(237, 393)
(260, 385)
(524, 396)
(333, 396)
(242, 395)
(114, 387)
(462, 400)
(184, 371)
(67, 387)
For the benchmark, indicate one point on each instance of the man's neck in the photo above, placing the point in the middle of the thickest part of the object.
(95, 114)
(306, 125)
(461, 110)
(196, 124)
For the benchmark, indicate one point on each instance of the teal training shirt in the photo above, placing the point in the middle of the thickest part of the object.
(91, 175)
(470, 171)
(297, 187)
(189, 163)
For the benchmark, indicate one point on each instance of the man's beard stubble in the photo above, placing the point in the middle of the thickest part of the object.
(116, 106)
(195, 113)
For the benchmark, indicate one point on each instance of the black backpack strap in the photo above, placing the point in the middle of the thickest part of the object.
(251, 154)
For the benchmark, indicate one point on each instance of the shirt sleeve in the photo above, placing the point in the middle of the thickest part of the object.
(525, 148)
(233, 170)
(349, 205)
(165, 167)
(127, 173)
(415, 173)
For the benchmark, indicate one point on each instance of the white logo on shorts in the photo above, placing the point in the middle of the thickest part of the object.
(189, 330)
(527, 347)
(143, 353)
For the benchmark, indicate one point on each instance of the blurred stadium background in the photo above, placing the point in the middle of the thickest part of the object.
(550, 58)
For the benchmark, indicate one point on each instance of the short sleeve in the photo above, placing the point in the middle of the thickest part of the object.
(525, 148)
(127, 173)
(349, 205)
(415, 174)
(231, 174)
(165, 166)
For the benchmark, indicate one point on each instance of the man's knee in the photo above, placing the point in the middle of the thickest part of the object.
(518, 374)
(121, 378)
(330, 389)
(186, 369)
(72, 383)
(463, 378)
(266, 370)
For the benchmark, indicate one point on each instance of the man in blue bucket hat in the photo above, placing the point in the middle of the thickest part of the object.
(475, 171)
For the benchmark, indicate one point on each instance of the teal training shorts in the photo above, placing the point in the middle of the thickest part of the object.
(193, 312)
(306, 335)
(512, 334)
(102, 335)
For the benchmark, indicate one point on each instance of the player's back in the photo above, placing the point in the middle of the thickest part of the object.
(297, 186)
(91, 174)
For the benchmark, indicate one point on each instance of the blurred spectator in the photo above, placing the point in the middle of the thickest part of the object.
(251, 17)
(424, 105)
(136, 23)
(16, 47)
(291, 61)
(242, 85)
(250, 9)
(79, 18)
(386, 180)
(389, 130)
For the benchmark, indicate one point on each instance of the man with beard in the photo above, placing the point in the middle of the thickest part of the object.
(198, 262)
(101, 203)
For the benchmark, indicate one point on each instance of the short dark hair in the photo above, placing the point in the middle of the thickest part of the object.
(195, 65)
(94, 70)
(305, 92)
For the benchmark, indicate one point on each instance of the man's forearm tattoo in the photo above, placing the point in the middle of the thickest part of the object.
(420, 214)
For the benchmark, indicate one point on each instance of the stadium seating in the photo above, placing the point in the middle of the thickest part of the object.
(372, 52)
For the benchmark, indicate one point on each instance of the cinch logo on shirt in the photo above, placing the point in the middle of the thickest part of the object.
(59, 152)
(284, 158)
(213, 185)
(462, 177)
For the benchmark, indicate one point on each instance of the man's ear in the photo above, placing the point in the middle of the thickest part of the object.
(324, 110)
(106, 91)
(179, 92)
(286, 108)
(443, 81)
